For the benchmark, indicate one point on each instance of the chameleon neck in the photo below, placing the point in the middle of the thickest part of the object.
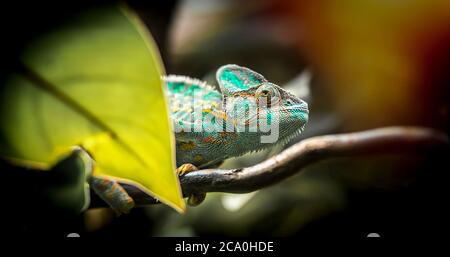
(237, 139)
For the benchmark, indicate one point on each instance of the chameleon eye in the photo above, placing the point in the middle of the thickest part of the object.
(270, 95)
(265, 92)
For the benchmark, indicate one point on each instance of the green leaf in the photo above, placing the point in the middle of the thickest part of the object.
(94, 82)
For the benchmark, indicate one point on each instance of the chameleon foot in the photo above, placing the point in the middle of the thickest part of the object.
(186, 168)
(194, 199)
(112, 193)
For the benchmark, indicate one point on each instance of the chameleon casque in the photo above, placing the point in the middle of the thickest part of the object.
(243, 98)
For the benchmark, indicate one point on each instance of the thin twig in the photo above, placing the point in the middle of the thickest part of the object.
(295, 158)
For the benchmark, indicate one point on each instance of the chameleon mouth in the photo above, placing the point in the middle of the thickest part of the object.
(300, 107)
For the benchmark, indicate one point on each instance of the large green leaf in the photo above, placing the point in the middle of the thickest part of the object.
(94, 82)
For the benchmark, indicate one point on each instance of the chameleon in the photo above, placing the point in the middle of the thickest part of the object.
(212, 123)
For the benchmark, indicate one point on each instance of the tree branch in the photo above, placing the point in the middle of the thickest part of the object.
(295, 158)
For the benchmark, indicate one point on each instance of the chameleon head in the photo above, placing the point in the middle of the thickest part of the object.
(251, 100)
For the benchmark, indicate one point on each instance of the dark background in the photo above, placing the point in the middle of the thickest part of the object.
(395, 196)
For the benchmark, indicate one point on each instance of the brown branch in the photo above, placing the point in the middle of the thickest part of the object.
(295, 158)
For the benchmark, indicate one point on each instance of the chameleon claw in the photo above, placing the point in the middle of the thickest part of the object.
(194, 199)
(185, 169)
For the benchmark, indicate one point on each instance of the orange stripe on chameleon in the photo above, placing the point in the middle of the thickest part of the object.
(187, 146)
(208, 139)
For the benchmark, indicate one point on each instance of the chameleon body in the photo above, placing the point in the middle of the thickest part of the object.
(212, 123)
(228, 101)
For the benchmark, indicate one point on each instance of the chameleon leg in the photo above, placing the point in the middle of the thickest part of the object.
(112, 193)
(194, 199)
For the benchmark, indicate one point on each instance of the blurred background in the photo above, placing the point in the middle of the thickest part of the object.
(360, 64)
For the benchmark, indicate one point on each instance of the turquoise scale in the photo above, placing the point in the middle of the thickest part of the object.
(182, 91)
